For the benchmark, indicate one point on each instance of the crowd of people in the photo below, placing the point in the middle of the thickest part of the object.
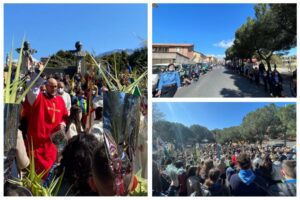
(61, 126)
(225, 170)
(258, 74)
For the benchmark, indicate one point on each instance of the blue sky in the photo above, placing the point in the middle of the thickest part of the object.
(210, 115)
(52, 27)
(210, 27)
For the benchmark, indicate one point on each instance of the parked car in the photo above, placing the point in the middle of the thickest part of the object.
(195, 72)
(187, 69)
(203, 67)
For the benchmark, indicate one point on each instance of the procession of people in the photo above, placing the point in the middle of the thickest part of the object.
(62, 133)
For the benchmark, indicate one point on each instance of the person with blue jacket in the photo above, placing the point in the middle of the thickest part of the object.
(169, 82)
(245, 182)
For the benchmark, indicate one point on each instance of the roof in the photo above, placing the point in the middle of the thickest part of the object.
(171, 53)
(172, 45)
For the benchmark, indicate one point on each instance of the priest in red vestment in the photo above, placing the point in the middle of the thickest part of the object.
(48, 114)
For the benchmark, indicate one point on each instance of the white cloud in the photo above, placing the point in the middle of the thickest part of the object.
(224, 43)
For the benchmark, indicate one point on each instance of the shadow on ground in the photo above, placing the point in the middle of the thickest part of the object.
(246, 88)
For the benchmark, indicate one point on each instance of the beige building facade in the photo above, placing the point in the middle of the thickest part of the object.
(178, 53)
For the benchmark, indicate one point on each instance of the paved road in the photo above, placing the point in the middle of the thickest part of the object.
(221, 82)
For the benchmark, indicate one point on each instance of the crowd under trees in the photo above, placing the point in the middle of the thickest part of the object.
(268, 122)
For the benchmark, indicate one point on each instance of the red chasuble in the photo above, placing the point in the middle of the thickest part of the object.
(46, 114)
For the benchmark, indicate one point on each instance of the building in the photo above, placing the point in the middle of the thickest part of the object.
(172, 53)
(199, 57)
(165, 57)
(183, 49)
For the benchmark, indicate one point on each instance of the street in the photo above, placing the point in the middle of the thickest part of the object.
(221, 82)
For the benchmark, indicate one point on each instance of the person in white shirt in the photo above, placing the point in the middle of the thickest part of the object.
(97, 127)
(66, 97)
(74, 127)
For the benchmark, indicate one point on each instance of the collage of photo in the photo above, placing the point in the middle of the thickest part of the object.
(81, 118)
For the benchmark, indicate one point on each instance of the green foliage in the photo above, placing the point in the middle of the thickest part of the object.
(62, 58)
(287, 116)
(179, 134)
(34, 181)
(137, 60)
(268, 122)
(273, 29)
(201, 133)
(113, 81)
(231, 134)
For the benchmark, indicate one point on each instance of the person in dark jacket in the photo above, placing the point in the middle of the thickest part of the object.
(193, 183)
(277, 83)
(288, 187)
(229, 172)
(245, 182)
(265, 170)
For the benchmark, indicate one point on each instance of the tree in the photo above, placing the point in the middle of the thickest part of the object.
(179, 134)
(287, 116)
(202, 134)
(256, 124)
(230, 134)
(139, 58)
(117, 60)
(157, 115)
(271, 35)
(267, 122)
(285, 15)
(273, 29)
(246, 39)
(62, 58)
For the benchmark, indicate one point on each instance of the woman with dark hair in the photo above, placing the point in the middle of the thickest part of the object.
(207, 165)
(212, 185)
(193, 182)
(102, 178)
(169, 82)
(74, 126)
(264, 170)
(76, 163)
